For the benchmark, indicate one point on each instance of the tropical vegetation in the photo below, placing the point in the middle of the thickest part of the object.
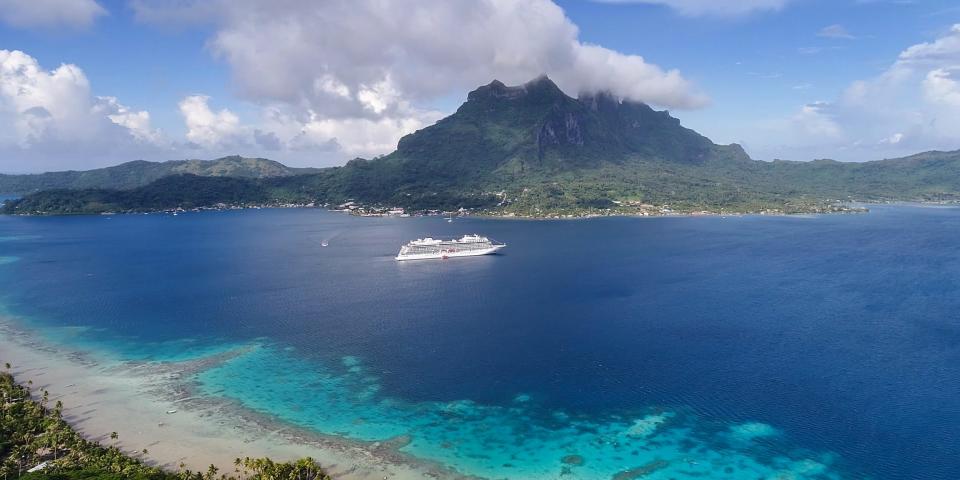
(139, 173)
(34, 433)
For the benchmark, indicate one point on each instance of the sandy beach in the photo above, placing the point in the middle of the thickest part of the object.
(101, 396)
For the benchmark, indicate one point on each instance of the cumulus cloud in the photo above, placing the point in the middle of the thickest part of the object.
(629, 76)
(46, 113)
(944, 50)
(361, 136)
(285, 131)
(893, 139)
(137, 122)
(50, 13)
(815, 120)
(366, 57)
(913, 105)
(712, 7)
(50, 120)
(209, 129)
(940, 87)
(350, 77)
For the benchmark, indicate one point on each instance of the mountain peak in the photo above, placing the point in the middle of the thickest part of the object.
(543, 85)
(540, 86)
(541, 80)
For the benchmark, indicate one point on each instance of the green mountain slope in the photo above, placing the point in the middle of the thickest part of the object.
(138, 173)
(528, 149)
(541, 148)
(925, 176)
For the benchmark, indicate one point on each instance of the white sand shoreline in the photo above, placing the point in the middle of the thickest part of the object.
(133, 399)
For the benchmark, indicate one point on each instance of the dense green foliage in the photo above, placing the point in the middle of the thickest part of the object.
(187, 191)
(138, 173)
(533, 150)
(32, 432)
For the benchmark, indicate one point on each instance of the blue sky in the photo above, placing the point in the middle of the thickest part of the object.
(760, 66)
(87, 83)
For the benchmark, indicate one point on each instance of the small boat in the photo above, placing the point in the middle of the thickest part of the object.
(324, 243)
(170, 412)
(449, 219)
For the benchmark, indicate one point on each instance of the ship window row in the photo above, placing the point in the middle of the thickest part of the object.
(436, 248)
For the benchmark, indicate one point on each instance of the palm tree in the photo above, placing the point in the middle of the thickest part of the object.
(21, 454)
(53, 431)
(211, 472)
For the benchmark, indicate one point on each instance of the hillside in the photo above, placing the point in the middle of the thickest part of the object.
(532, 139)
(139, 173)
(530, 150)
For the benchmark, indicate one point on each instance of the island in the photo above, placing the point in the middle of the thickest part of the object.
(528, 150)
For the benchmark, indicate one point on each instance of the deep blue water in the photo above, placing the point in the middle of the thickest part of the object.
(831, 340)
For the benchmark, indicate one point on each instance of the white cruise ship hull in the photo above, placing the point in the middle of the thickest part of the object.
(449, 253)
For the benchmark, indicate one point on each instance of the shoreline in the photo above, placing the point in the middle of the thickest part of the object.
(848, 208)
(132, 398)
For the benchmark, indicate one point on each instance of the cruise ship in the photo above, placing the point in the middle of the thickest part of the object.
(466, 246)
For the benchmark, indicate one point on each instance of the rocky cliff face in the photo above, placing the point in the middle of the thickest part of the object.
(560, 128)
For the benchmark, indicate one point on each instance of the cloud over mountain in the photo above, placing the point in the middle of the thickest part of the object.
(353, 76)
(365, 58)
(325, 81)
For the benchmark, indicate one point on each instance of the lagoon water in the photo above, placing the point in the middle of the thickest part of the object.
(735, 348)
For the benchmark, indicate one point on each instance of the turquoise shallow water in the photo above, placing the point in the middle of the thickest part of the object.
(773, 348)
(520, 440)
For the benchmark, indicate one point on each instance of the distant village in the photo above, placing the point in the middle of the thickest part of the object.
(618, 208)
